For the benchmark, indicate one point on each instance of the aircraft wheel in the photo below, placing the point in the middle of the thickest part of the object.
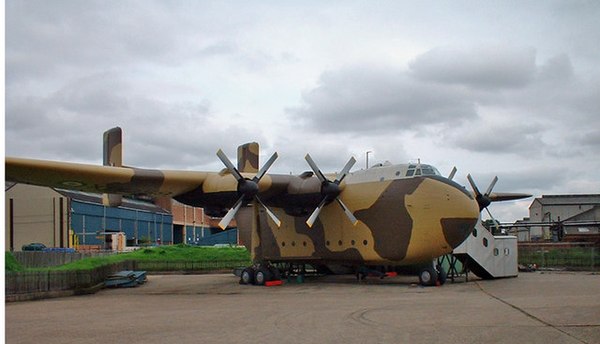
(247, 276)
(262, 275)
(275, 273)
(442, 275)
(428, 277)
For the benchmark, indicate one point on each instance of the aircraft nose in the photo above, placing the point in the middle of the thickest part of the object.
(465, 214)
(457, 230)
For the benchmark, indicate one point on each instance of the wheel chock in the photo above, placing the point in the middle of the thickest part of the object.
(273, 283)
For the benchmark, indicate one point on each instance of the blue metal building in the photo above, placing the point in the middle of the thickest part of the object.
(142, 222)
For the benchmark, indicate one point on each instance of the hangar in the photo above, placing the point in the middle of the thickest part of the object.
(583, 209)
(71, 219)
(192, 225)
(61, 218)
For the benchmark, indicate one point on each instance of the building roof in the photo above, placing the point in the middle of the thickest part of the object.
(97, 199)
(590, 214)
(589, 199)
(8, 185)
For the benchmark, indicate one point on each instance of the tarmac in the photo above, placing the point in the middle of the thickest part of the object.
(549, 307)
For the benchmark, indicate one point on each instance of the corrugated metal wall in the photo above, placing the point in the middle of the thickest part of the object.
(88, 219)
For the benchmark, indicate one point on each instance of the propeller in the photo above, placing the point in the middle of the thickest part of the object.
(330, 190)
(452, 173)
(246, 188)
(484, 200)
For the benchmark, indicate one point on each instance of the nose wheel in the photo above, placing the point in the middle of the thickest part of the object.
(432, 276)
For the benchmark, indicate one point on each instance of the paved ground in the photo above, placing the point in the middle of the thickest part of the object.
(533, 308)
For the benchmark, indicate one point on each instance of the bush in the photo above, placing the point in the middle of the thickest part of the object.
(11, 263)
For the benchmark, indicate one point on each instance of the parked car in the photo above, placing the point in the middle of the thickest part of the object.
(34, 246)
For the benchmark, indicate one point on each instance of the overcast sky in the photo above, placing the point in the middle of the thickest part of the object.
(507, 88)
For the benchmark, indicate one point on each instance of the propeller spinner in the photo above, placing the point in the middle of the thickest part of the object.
(483, 200)
(330, 190)
(247, 189)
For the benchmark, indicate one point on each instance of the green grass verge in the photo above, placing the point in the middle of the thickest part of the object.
(11, 264)
(166, 255)
(574, 257)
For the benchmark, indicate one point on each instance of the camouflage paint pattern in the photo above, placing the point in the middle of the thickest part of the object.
(112, 147)
(248, 155)
(400, 220)
(112, 156)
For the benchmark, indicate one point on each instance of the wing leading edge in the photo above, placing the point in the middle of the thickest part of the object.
(103, 179)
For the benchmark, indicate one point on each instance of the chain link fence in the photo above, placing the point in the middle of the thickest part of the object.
(572, 258)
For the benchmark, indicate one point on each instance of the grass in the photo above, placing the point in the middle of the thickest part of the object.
(11, 263)
(164, 255)
(575, 257)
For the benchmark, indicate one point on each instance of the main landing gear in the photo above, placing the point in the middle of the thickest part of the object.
(432, 276)
(259, 274)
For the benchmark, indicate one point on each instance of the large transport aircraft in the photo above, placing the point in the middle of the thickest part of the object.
(386, 215)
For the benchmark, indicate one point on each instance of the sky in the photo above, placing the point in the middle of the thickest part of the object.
(506, 88)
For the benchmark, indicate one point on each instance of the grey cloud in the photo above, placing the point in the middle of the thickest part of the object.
(515, 138)
(513, 178)
(592, 139)
(482, 67)
(556, 69)
(44, 38)
(68, 124)
(367, 99)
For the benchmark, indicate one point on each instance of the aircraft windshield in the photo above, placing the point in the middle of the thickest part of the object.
(425, 170)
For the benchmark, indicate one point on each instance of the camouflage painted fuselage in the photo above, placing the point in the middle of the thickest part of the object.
(407, 214)
(402, 221)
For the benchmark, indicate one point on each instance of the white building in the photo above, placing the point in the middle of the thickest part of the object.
(556, 208)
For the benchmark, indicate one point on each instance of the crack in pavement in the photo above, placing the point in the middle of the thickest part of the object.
(545, 323)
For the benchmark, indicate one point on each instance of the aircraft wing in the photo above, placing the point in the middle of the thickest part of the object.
(103, 179)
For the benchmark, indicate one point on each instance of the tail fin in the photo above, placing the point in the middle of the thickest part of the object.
(248, 157)
(113, 156)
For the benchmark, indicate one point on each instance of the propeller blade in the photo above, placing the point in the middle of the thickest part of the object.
(231, 213)
(269, 212)
(452, 173)
(315, 169)
(490, 214)
(229, 165)
(492, 217)
(347, 211)
(265, 168)
(313, 217)
(492, 184)
(475, 189)
(345, 170)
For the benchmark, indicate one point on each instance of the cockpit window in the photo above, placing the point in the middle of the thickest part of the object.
(426, 170)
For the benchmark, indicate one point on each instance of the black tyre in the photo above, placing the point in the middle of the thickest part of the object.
(247, 276)
(275, 273)
(428, 277)
(442, 275)
(262, 275)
